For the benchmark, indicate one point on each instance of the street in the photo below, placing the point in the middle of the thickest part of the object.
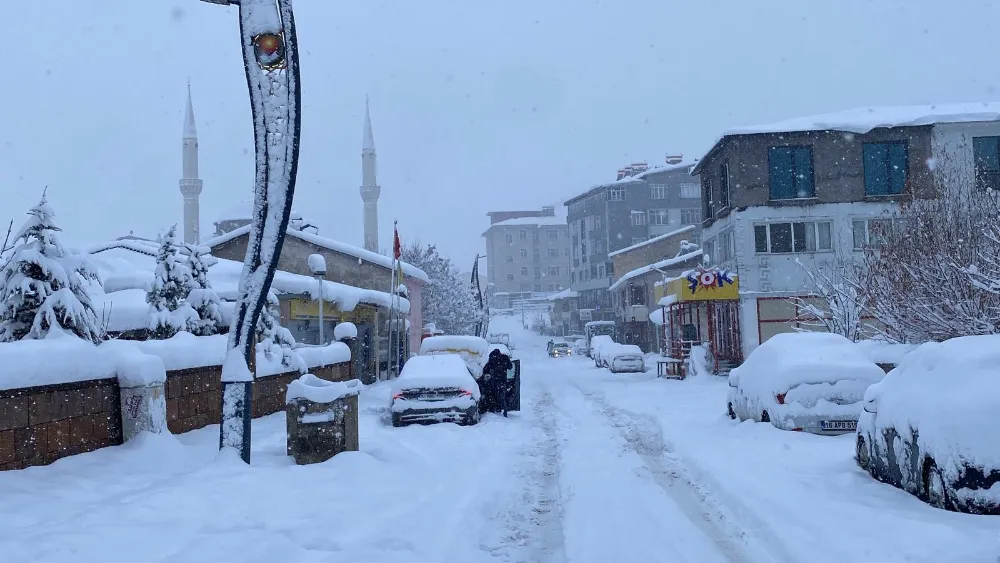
(596, 467)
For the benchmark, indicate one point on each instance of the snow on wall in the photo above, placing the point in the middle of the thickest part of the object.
(312, 388)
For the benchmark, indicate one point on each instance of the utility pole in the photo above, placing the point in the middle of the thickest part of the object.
(271, 64)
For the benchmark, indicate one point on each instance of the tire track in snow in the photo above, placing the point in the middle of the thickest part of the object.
(533, 530)
(644, 436)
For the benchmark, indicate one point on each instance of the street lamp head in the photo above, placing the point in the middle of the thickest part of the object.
(317, 264)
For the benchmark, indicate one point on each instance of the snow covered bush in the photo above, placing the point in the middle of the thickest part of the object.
(201, 296)
(43, 284)
(169, 311)
(446, 300)
(274, 340)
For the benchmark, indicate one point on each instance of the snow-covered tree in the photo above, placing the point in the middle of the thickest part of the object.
(43, 284)
(447, 300)
(169, 311)
(201, 296)
(842, 309)
(275, 340)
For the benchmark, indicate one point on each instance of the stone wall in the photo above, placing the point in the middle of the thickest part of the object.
(193, 394)
(39, 425)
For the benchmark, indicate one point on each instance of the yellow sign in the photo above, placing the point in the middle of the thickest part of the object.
(309, 309)
(705, 285)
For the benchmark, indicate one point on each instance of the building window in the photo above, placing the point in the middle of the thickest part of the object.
(873, 232)
(636, 240)
(724, 186)
(534, 236)
(616, 194)
(689, 217)
(538, 287)
(785, 238)
(510, 259)
(510, 277)
(565, 270)
(524, 270)
(538, 273)
(690, 191)
(566, 252)
(536, 254)
(659, 217)
(552, 252)
(657, 191)
(553, 235)
(885, 168)
(600, 270)
(638, 218)
(597, 222)
(510, 239)
(986, 152)
(552, 287)
(523, 234)
(727, 247)
(709, 251)
(791, 173)
(553, 270)
(524, 253)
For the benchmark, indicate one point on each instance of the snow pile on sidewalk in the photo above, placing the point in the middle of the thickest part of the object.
(947, 396)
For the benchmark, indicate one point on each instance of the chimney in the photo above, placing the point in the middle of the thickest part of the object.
(675, 158)
(548, 211)
(622, 172)
(638, 167)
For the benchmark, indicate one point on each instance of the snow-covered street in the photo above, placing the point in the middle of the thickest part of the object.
(596, 467)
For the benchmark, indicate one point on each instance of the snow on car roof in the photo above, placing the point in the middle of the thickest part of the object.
(949, 392)
(453, 343)
(796, 358)
(445, 370)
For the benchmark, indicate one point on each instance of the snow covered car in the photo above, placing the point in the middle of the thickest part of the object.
(560, 349)
(473, 349)
(927, 427)
(597, 343)
(435, 389)
(580, 348)
(806, 381)
(623, 358)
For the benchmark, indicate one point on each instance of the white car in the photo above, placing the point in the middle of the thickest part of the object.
(473, 349)
(805, 381)
(597, 344)
(624, 358)
(437, 388)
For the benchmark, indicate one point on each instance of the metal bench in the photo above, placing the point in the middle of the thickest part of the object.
(670, 368)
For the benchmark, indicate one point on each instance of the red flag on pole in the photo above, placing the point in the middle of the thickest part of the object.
(397, 249)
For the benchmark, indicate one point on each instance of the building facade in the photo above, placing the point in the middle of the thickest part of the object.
(527, 252)
(642, 203)
(785, 199)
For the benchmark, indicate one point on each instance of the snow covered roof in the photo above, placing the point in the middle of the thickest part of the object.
(651, 241)
(386, 262)
(557, 220)
(244, 211)
(863, 120)
(657, 266)
(636, 178)
(564, 294)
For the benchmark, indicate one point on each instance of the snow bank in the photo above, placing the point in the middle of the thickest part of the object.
(133, 367)
(882, 352)
(333, 353)
(185, 350)
(792, 359)
(345, 330)
(123, 310)
(949, 393)
(311, 388)
(435, 371)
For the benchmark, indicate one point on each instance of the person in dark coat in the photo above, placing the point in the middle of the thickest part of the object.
(495, 384)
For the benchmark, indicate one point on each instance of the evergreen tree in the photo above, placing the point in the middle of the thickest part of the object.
(42, 284)
(274, 339)
(201, 296)
(169, 312)
(447, 300)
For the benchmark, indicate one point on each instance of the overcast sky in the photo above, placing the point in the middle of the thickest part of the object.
(515, 104)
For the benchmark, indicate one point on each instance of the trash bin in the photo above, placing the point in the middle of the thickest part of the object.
(321, 418)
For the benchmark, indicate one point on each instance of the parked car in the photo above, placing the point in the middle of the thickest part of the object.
(624, 358)
(473, 349)
(806, 381)
(437, 388)
(596, 344)
(580, 348)
(927, 428)
(560, 349)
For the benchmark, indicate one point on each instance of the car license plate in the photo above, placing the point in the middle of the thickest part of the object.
(838, 425)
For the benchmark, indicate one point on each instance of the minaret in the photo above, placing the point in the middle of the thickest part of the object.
(190, 183)
(370, 189)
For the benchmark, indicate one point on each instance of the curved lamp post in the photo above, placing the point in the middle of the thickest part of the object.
(271, 61)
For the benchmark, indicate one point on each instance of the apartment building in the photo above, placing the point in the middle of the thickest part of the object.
(527, 252)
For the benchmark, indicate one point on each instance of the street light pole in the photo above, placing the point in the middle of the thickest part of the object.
(317, 265)
(271, 63)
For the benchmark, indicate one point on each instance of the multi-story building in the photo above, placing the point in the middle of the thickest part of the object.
(814, 192)
(527, 252)
(640, 204)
